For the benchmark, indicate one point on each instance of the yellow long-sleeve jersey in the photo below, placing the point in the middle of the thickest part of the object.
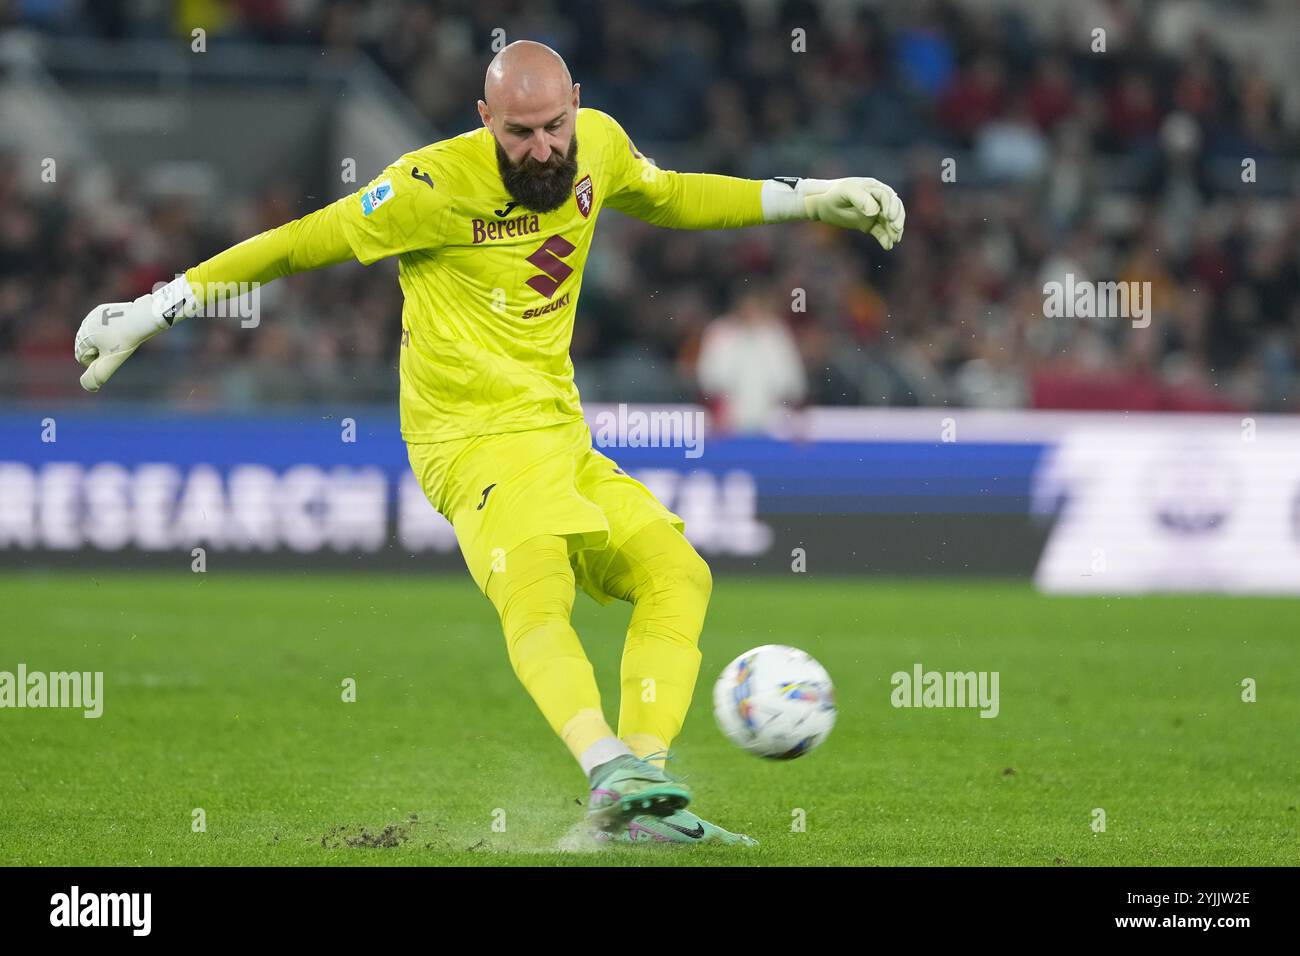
(490, 289)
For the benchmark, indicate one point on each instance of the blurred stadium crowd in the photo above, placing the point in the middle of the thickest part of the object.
(1123, 166)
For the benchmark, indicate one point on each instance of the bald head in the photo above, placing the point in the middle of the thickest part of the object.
(530, 105)
(523, 73)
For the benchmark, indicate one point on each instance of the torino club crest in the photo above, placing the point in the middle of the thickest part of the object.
(583, 193)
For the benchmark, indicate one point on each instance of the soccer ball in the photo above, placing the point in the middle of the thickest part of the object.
(775, 701)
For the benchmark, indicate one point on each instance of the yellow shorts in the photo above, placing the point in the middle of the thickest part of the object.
(500, 490)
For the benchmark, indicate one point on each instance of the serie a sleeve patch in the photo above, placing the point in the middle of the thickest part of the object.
(376, 196)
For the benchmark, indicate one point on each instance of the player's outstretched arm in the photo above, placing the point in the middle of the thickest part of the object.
(400, 210)
(111, 333)
(709, 201)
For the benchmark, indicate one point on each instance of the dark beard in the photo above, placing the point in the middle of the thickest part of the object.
(540, 187)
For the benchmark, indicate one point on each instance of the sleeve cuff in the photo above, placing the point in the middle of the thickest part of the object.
(783, 197)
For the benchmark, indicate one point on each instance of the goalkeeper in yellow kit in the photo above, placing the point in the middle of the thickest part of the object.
(492, 229)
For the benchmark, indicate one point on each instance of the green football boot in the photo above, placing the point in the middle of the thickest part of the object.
(680, 826)
(627, 786)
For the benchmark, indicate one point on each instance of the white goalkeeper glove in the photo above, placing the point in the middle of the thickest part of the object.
(110, 333)
(859, 202)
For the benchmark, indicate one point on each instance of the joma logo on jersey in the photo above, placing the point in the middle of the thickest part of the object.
(559, 303)
(519, 226)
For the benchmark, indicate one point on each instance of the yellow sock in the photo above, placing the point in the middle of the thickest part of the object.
(643, 744)
(584, 729)
(669, 585)
(535, 601)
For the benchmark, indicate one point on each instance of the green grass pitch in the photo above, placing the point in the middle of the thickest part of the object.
(223, 692)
